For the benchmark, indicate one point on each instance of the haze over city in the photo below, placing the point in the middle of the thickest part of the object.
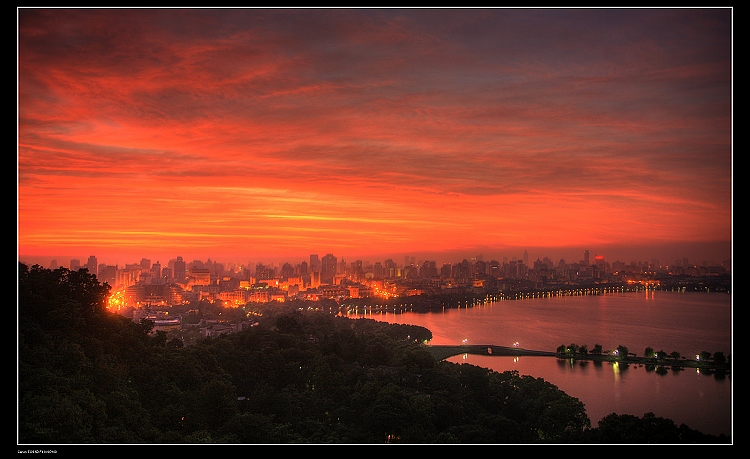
(269, 134)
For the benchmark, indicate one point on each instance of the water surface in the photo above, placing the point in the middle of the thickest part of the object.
(686, 322)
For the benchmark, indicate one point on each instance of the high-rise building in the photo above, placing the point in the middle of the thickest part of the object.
(200, 276)
(601, 265)
(75, 264)
(287, 270)
(495, 268)
(389, 268)
(179, 270)
(428, 269)
(462, 271)
(328, 268)
(126, 276)
(156, 272)
(586, 258)
(145, 264)
(107, 273)
(314, 263)
(92, 266)
(264, 272)
(446, 270)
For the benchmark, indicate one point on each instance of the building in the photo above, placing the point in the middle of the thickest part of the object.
(108, 274)
(200, 276)
(180, 270)
(328, 269)
(91, 265)
(156, 273)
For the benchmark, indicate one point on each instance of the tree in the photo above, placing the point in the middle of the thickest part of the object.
(622, 351)
(649, 352)
(59, 300)
(386, 417)
(649, 429)
(102, 378)
(73, 370)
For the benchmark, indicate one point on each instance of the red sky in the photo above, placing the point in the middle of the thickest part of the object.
(249, 135)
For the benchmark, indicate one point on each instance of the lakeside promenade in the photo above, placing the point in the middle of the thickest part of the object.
(442, 352)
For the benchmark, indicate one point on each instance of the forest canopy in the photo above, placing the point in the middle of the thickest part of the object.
(88, 376)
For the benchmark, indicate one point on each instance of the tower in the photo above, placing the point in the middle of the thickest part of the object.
(156, 271)
(92, 265)
(328, 268)
(179, 270)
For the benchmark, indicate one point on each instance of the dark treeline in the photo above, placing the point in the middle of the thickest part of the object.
(86, 376)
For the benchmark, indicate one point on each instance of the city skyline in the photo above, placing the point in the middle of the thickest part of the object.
(266, 135)
(585, 258)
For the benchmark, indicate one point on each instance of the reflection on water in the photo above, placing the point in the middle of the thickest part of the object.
(687, 323)
(701, 401)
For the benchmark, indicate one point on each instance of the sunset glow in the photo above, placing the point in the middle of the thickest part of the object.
(245, 135)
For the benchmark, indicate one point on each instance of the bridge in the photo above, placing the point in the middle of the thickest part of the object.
(441, 352)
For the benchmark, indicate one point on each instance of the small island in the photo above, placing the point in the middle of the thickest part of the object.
(706, 361)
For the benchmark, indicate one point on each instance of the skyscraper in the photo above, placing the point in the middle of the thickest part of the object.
(145, 264)
(328, 268)
(179, 270)
(92, 265)
(107, 273)
(156, 272)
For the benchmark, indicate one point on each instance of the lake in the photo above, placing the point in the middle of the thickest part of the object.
(685, 322)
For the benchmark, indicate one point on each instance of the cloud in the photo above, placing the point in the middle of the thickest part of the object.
(421, 128)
